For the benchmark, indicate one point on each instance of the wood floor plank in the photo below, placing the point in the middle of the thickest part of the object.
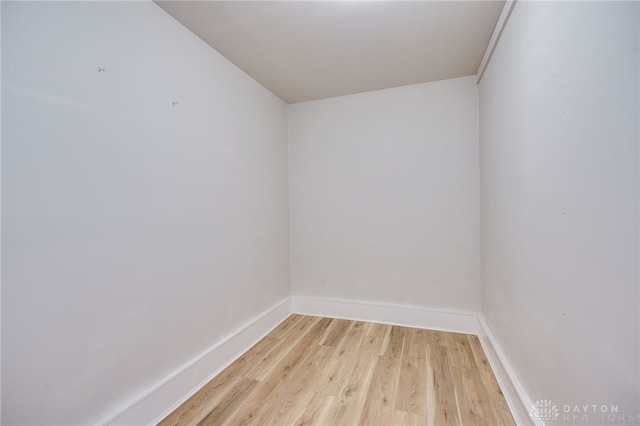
(412, 394)
(375, 329)
(296, 394)
(381, 400)
(340, 365)
(430, 384)
(396, 342)
(385, 340)
(491, 390)
(322, 371)
(407, 419)
(229, 403)
(267, 391)
(437, 338)
(283, 328)
(461, 349)
(315, 411)
(336, 332)
(338, 414)
(290, 337)
(358, 325)
(446, 409)
(355, 390)
(472, 408)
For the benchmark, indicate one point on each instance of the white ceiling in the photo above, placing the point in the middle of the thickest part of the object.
(306, 50)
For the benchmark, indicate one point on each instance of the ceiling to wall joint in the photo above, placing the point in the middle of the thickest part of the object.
(308, 50)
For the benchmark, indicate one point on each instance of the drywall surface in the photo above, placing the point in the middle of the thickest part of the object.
(145, 204)
(384, 196)
(559, 188)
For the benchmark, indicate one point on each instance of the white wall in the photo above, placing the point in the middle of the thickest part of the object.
(135, 233)
(384, 196)
(559, 143)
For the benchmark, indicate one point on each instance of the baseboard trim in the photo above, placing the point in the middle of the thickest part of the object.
(409, 316)
(513, 391)
(165, 396)
(413, 316)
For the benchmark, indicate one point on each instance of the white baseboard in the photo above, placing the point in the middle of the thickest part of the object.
(412, 316)
(409, 316)
(517, 399)
(165, 396)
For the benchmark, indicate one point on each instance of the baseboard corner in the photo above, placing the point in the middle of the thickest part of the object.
(166, 395)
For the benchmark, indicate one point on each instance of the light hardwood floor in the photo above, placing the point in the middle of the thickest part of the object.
(323, 371)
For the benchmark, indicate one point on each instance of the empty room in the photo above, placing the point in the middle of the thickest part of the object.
(320, 212)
